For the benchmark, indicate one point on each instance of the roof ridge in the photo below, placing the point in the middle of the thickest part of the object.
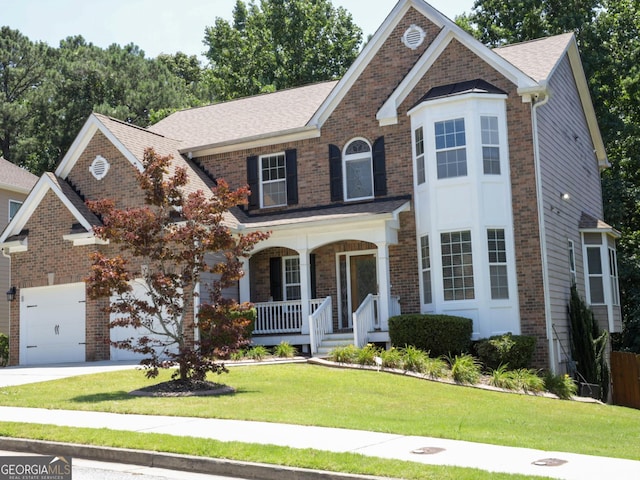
(533, 40)
(132, 125)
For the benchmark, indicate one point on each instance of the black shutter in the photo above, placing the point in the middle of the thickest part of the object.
(291, 162)
(312, 274)
(335, 173)
(275, 278)
(253, 182)
(379, 168)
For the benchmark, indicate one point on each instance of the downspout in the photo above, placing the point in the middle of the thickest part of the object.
(541, 228)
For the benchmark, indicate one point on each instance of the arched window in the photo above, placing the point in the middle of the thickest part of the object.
(358, 170)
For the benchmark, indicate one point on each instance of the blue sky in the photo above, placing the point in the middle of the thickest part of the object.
(160, 26)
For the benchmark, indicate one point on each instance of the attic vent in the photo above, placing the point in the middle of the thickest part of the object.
(413, 37)
(99, 167)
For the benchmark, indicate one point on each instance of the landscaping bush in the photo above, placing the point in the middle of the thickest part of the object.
(516, 351)
(4, 350)
(465, 369)
(346, 354)
(367, 355)
(438, 334)
(562, 385)
(285, 350)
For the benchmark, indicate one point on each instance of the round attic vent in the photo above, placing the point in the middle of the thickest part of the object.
(413, 37)
(99, 167)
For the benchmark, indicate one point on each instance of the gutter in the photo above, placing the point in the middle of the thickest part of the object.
(536, 103)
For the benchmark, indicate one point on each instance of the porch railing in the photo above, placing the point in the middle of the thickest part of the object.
(320, 324)
(364, 320)
(281, 317)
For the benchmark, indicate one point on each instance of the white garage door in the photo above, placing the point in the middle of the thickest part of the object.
(124, 333)
(52, 324)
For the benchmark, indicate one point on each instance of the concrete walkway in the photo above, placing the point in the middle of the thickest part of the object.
(426, 450)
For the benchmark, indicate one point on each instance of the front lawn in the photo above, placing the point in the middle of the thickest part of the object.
(365, 400)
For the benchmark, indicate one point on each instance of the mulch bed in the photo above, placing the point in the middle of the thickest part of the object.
(184, 388)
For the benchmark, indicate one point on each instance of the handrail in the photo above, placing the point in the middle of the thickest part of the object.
(320, 324)
(364, 320)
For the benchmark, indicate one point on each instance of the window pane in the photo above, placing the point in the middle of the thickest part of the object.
(359, 178)
(457, 270)
(593, 260)
(596, 289)
(275, 193)
(419, 145)
(13, 208)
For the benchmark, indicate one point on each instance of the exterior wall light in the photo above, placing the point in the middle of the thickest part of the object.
(565, 196)
(11, 294)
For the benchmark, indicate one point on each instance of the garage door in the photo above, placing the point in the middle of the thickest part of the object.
(52, 324)
(123, 333)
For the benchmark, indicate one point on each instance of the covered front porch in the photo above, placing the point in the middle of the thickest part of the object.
(312, 280)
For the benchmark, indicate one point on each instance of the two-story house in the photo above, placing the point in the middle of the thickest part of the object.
(15, 184)
(437, 175)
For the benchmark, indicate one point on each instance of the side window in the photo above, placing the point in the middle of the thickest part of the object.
(490, 145)
(457, 266)
(273, 180)
(419, 144)
(594, 271)
(292, 278)
(358, 170)
(14, 206)
(497, 264)
(451, 151)
(613, 271)
(572, 263)
(426, 269)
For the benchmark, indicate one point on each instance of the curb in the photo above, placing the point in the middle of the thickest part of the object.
(188, 463)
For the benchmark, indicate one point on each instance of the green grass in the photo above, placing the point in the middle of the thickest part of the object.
(365, 400)
(270, 454)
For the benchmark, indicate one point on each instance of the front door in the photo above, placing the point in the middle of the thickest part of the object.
(358, 278)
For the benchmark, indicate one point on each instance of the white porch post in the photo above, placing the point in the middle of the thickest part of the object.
(245, 282)
(384, 284)
(305, 289)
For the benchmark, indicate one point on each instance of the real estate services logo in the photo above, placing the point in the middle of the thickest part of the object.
(35, 468)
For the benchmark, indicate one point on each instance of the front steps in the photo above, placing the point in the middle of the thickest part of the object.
(333, 340)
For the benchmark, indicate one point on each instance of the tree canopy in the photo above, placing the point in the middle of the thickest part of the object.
(172, 235)
(276, 44)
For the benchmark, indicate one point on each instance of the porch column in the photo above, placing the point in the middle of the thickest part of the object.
(245, 282)
(305, 289)
(384, 284)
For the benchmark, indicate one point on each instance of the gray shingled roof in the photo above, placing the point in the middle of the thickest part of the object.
(536, 58)
(13, 177)
(75, 200)
(248, 117)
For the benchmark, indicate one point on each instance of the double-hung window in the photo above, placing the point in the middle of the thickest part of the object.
(273, 179)
(613, 271)
(595, 275)
(358, 170)
(457, 265)
(451, 151)
(490, 145)
(497, 264)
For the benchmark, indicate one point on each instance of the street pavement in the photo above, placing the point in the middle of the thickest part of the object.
(425, 450)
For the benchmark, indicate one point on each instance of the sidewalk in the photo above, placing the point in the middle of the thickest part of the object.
(439, 451)
(426, 450)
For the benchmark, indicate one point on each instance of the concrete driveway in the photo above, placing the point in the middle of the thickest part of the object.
(41, 373)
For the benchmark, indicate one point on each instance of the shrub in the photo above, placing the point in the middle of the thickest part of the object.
(516, 351)
(435, 367)
(285, 350)
(4, 350)
(561, 385)
(346, 354)
(414, 359)
(367, 355)
(465, 369)
(438, 334)
(501, 378)
(391, 358)
(527, 380)
(257, 353)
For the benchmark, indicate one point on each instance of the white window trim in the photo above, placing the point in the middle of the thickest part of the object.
(425, 271)
(264, 182)
(504, 264)
(572, 263)
(419, 159)
(354, 157)
(614, 280)
(588, 275)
